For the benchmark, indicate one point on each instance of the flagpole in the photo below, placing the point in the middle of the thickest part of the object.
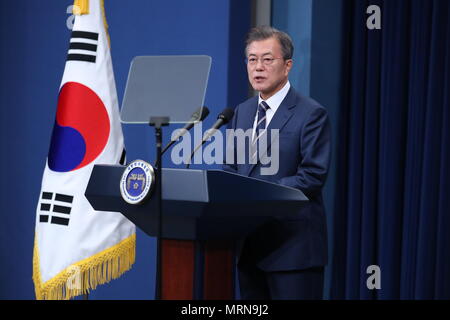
(158, 122)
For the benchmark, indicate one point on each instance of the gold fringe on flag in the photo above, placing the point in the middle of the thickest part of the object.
(82, 276)
(81, 7)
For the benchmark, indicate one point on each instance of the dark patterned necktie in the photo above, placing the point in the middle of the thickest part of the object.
(260, 125)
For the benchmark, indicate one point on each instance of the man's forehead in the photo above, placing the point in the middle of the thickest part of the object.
(263, 54)
(263, 47)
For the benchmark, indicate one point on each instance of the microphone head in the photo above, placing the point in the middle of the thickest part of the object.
(226, 115)
(200, 114)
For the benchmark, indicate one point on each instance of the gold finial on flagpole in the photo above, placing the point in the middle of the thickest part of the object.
(81, 7)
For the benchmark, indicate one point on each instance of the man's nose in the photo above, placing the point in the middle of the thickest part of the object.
(259, 65)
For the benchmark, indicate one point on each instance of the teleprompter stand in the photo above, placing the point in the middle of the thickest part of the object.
(158, 123)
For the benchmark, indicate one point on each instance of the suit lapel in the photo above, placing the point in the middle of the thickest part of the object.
(279, 120)
(247, 120)
(248, 114)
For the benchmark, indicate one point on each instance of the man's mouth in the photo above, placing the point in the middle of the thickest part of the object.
(259, 78)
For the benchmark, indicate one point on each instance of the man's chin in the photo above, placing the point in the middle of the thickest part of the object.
(259, 88)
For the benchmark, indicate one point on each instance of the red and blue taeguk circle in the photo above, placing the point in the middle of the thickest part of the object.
(81, 128)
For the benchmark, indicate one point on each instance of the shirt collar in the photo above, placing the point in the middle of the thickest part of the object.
(275, 100)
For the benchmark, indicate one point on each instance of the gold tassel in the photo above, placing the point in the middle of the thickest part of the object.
(87, 274)
(36, 271)
(81, 7)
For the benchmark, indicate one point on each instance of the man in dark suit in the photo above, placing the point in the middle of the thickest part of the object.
(283, 259)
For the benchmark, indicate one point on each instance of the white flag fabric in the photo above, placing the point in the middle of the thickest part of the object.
(76, 248)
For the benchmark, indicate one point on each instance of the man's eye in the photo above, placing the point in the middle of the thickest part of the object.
(267, 60)
(252, 60)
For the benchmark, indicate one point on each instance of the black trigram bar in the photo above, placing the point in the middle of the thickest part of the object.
(60, 221)
(83, 46)
(81, 57)
(47, 195)
(61, 209)
(85, 35)
(63, 198)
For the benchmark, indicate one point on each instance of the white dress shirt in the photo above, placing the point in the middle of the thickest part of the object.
(273, 102)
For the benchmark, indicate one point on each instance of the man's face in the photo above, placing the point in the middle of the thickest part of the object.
(265, 75)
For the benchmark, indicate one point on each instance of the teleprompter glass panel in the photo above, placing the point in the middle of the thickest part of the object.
(158, 86)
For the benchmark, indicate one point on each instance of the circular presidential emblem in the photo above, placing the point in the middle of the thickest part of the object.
(137, 182)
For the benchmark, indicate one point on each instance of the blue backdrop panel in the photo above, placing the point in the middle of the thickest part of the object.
(295, 18)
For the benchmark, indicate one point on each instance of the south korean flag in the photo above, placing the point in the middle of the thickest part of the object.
(72, 241)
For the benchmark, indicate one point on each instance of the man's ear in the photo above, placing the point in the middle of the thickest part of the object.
(289, 64)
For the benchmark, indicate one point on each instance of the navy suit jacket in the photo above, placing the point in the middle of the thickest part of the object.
(299, 242)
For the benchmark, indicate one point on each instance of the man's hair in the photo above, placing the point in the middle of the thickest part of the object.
(266, 32)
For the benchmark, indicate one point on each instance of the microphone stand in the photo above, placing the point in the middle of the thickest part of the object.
(198, 147)
(223, 118)
(158, 122)
(167, 147)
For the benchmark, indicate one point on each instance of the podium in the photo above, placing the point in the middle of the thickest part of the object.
(204, 213)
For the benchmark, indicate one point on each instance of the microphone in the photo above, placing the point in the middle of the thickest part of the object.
(199, 115)
(223, 118)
